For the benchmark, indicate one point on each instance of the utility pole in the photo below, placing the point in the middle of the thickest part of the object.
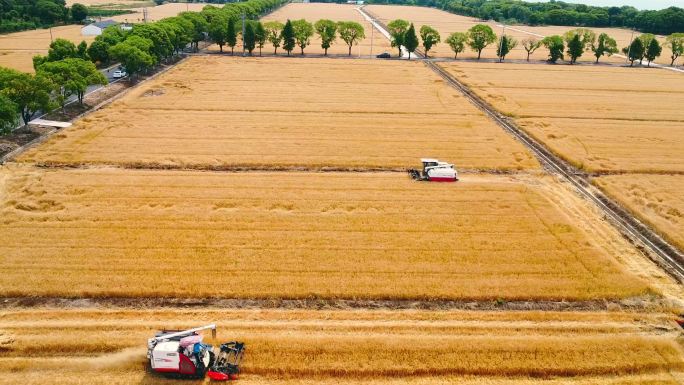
(372, 37)
(51, 40)
(503, 33)
(629, 50)
(243, 34)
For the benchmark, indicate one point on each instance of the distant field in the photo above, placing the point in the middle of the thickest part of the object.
(366, 347)
(18, 49)
(159, 12)
(109, 3)
(113, 232)
(598, 118)
(447, 23)
(656, 199)
(223, 112)
(336, 12)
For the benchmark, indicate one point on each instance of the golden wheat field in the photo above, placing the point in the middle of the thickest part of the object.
(115, 232)
(224, 112)
(366, 347)
(447, 23)
(655, 199)
(18, 49)
(159, 12)
(313, 12)
(597, 118)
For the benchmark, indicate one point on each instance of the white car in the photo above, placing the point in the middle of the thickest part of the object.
(118, 74)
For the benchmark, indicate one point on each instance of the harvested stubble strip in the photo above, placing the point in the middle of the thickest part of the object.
(222, 112)
(324, 346)
(594, 117)
(130, 233)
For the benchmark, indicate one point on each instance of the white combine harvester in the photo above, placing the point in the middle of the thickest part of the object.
(181, 354)
(435, 171)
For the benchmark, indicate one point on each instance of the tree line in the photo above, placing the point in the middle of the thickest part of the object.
(69, 69)
(19, 15)
(291, 34)
(574, 43)
(664, 22)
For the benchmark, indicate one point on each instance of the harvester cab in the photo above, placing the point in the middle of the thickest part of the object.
(435, 171)
(181, 354)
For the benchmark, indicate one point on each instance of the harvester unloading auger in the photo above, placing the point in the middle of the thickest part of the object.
(181, 354)
(435, 171)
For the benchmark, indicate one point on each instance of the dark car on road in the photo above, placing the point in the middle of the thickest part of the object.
(384, 55)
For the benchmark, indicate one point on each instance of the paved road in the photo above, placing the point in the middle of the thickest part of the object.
(107, 72)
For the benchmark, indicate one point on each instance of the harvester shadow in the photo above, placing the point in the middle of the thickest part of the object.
(151, 378)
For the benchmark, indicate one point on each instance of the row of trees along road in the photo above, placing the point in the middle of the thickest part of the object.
(225, 31)
(577, 41)
(568, 13)
(69, 69)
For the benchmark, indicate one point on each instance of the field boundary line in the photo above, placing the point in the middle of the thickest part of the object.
(635, 304)
(10, 156)
(151, 166)
(645, 238)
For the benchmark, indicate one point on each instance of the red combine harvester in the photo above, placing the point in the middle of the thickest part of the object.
(181, 354)
(435, 171)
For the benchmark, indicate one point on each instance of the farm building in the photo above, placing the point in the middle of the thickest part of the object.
(95, 29)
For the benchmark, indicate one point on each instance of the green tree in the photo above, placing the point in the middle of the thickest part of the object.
(430, 37)
(635, 51)
(30, 93)
(351, 33)
(530, 45)
(49, 12)
(303, 30)
(457, 42)
(261, 36)
(676, 44)
(575, 49)
(231, 35)
(200, 25)
(82, 51)
(274, 31)
(606, 45)
(8, 115)
(79, 12)
(327, 31)
(410, 40)
(218, 31)
(479, 37)
(162, 47)
(505, 46)
(179, 30)
(645, 42)
(132, 58)
(653, 51)
(578, 40)
(397, 30)
(555, 46)
(287, 35)
(61, 49)
(249, 38)
(72, 77)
